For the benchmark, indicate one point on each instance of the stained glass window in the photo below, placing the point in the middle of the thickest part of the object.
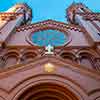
(49, 37)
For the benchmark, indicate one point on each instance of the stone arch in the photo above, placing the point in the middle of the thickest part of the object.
(92, 56)
(46, 91)
(68, 56)
(87, 59)
(51, 84)
(11, 58)
(28, 56)
(89, 51)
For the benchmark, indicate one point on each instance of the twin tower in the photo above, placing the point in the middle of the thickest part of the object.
(21, 14)
(70, 71)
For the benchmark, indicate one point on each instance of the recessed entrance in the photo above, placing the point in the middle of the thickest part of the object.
(48, 91)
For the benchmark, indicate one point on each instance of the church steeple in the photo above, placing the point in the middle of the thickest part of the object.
(22, 8)
(49, 60)
(17, 15)
(76, 8)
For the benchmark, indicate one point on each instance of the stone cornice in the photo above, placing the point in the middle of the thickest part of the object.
(90, 16)
(9, 16)
(49, 24)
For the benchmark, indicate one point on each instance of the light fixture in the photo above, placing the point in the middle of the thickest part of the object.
(49, 67)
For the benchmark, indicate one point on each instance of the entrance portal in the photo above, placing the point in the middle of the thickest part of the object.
(48, 91)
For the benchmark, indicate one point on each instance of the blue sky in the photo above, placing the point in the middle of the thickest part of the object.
(49, 9)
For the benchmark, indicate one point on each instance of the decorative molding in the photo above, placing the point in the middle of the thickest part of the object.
(90, 16)
(9, 16)
(46, 27)
(49, 24)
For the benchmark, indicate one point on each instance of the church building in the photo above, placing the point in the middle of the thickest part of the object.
(50, 60)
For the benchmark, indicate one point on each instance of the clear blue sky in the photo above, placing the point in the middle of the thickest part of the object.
(49, 9)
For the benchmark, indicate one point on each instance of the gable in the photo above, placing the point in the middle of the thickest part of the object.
(75, 34)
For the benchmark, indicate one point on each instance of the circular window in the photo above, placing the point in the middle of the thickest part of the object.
(49, 37)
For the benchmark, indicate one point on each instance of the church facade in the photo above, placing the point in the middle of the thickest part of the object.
(50, 60)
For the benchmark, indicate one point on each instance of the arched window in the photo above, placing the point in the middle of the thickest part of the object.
(28, 57)
(11, 60)
(68, 56)
(86, 60)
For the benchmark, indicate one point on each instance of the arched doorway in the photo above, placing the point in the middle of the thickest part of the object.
(47, 91)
